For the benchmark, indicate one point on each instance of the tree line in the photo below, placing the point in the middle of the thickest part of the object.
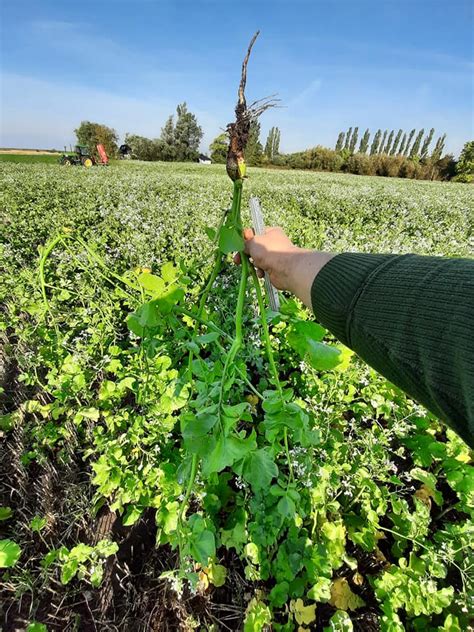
(401, 143)
(179, 139)
(396, 153)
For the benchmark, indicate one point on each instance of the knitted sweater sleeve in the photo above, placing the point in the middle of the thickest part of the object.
(412, 319)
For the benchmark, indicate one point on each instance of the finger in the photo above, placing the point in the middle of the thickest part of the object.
(237, 259)
(260, 273)
(248, 233)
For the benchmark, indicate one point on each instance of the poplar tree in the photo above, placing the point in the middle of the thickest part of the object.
(348, 138)
(438, 150)
(426, 144)
(276, 142)
(254, 149)
(382, 144)
(340, 141)
(364, 143)
(410, 137)
(268, 151)
(272, 145)
(396, 142)
(374, 148)
(388, 146)
(353, 143)
(402, 146)
(416, 145)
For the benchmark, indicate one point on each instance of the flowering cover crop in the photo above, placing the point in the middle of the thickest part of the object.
(161, 476)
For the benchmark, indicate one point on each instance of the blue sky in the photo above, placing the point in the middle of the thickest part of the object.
(333, 63)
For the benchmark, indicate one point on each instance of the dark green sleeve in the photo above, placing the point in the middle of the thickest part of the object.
(412, 319)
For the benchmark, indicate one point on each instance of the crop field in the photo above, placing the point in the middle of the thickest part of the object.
(25, 157)
(162, 472)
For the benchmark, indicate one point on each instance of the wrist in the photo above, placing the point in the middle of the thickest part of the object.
(303, 268)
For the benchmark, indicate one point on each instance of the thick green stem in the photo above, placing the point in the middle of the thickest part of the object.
(271, 359)
(189, 488)
(239, 311)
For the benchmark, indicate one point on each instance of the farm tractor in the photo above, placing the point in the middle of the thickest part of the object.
(83, 156)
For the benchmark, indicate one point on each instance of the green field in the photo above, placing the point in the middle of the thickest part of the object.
(152, 485)
(48, 159)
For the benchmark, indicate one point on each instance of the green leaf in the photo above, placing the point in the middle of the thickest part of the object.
(303, 338)
(217, 574)
(286, 506)
(279, 594)
(151, 283)
(38, 523)
(36, 627)
(341, 622)
(230, 240)
(210, 337)
(169, 272)
(131, 515)
(6, 422)
(210, 232)
(308, 329)
(259, 469)
(257, 617)
(97, 573)
(321, 590)
(451, 624)
(197, 426)
(69, 570)
(106, 548)
(203, 546)
(226, 452)
(9, 553)
(5, 513)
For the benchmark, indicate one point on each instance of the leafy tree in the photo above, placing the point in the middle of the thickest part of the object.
(426, 144)
(364, 143)
(167, 131)
(187, 134)
(168, 140)
(439, 147)
(382, 144)
(272, 145)
(92, 134)
(340, 141)
(416, 145)
(254, 150)
(348, 138)
(353, 142)
(145, 148)
(410, 137)
(396, 142)
(374, 148)
(218, 148)
(444, 168)
(465, 166)
(388, 146)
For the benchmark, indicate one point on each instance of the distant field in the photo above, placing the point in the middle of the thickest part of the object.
(28, 157)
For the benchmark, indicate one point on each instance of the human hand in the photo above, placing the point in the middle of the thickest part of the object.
(270, 252)
(289, 267)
